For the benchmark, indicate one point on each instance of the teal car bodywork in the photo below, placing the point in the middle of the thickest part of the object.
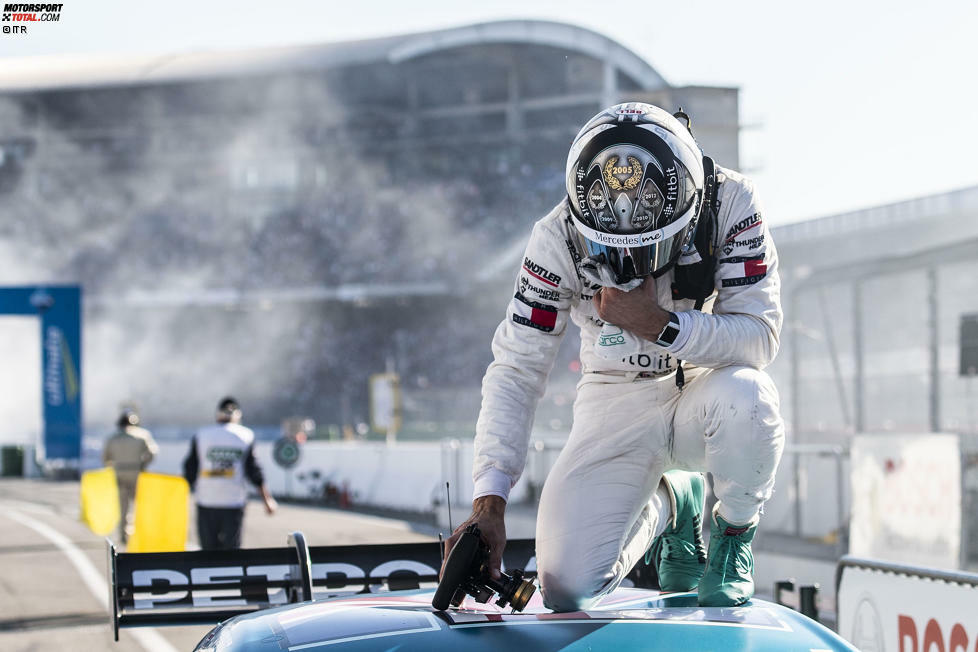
(625, 620)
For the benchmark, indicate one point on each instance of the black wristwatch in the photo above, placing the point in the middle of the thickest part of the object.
(669, 333)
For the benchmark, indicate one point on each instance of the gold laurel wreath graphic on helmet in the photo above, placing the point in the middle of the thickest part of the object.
(631, 182)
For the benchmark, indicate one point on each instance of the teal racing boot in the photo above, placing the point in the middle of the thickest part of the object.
(729, 578)
(678, 553)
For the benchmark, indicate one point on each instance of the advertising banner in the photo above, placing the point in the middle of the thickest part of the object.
(59, 308)
(906, 499)
(385, 403)
(888, 608)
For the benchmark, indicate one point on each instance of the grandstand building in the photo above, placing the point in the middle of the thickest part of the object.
(282, 223)
(880, 338)
(880, 306)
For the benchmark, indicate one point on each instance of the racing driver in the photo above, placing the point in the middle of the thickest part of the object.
(665, 264)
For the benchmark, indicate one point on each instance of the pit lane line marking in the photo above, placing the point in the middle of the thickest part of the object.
(150, 639)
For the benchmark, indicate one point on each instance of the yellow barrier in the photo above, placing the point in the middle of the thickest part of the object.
(99, 497)
(161, 514)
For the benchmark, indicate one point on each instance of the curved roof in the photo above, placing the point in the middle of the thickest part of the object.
(560, 35)
(68, 71)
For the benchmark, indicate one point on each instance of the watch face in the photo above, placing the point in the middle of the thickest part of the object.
(669, 332)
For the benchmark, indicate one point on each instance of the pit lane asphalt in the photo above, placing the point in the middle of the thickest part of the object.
(48, 603)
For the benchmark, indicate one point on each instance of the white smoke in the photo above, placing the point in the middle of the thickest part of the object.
(146, 209)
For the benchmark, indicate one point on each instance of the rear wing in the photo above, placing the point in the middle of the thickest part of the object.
(209, 586)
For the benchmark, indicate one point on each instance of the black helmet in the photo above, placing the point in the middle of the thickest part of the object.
(635, 183)
(226, 408)
(128, 417)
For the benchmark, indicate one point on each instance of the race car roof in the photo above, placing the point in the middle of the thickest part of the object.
(627, 619)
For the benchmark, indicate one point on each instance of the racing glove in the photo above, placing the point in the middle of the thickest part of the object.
(613, 343)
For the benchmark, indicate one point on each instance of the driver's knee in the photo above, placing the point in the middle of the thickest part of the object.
(565, 592)
(574, 576)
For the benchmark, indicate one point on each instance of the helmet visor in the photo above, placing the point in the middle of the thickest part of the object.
(639, 260)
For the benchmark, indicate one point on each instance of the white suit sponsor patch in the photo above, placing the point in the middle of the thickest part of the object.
(527, 312)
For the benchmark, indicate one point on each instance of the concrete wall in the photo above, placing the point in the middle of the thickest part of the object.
(404, 476)
(412, 477)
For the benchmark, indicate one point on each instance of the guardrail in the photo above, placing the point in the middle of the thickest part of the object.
(920, 572)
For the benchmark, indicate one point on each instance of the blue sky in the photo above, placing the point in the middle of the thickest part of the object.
(850, 104)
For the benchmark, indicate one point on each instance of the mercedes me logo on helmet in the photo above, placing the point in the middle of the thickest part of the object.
(635, 184)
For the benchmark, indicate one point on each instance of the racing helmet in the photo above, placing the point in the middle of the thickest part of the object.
(635, 184)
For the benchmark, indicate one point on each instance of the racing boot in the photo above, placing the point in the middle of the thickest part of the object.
(678, 553)
(729, 578)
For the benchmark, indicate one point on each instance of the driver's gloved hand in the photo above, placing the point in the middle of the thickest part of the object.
(613, 343)
(595, 270)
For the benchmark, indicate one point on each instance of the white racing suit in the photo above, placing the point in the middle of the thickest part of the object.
(598, 512)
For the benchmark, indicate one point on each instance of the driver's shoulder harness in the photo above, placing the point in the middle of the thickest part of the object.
(695, 279)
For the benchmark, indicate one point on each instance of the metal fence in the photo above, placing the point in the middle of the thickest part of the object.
(811, 501)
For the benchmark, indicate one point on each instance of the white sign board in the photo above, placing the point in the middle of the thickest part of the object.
(385, 403)
(886, 611)
(906, 499)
